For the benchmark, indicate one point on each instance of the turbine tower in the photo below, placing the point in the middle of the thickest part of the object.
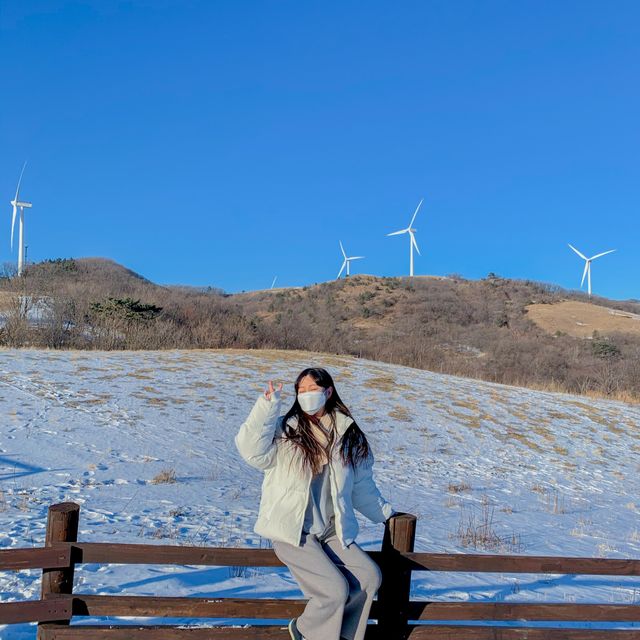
(412, 242)
(587, 266)
(347, 261)
(19, 204)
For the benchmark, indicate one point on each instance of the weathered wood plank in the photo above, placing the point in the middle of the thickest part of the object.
(62, 527)
(104, 553)
(523, 611)
(181, 607)
(163, 632)
(34, 558)
(422, 632)
(177, 607)
(455, 632)
(114, 553)
(394, 592)
(521, 564)
(35, 610)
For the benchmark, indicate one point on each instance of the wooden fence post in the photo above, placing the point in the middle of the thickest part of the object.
(62, 526)
(395, 590)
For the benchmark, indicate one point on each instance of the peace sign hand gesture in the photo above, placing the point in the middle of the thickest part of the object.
(271, 390)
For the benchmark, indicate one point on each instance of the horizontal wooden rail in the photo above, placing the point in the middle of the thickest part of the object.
(479, 563)
(503, 611)
(272, 632)
(162, 632)
(113, 553)
(266, 608)
(460, 632)
(185, 607)
(35, 610)
(35, 558)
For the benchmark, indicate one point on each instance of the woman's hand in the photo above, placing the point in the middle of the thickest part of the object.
(271, 389)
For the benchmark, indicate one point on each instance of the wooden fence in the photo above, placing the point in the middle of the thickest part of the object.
(398, 617)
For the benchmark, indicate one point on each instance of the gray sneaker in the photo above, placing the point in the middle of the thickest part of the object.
(293, 631)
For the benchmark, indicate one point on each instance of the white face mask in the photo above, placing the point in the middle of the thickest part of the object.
(312, 401)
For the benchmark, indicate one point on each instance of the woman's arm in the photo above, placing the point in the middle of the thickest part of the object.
(366, 495)
(254, 440)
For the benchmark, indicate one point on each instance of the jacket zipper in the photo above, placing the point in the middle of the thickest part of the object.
(299, 536)
(336, 508)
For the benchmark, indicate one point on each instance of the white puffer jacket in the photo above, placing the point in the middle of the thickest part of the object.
(285, 488)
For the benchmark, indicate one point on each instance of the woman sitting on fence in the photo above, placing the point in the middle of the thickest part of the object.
(317, 469)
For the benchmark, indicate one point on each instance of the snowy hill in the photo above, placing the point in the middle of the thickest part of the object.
(546, 473)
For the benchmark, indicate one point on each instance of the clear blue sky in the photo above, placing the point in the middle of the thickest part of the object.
(222, 142)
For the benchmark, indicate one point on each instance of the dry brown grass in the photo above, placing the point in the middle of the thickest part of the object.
(581, 319)
(555, 502)
(458, 487)
(400, 413)
(477, 529)
(166, 476)
(513, 434)
(472, 405)
(381, 382)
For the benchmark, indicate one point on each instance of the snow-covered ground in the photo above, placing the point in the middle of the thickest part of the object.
(549, 473)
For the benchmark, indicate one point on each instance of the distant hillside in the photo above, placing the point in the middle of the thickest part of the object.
(510, 331)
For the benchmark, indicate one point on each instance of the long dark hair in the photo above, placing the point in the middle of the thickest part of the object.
(354, 447)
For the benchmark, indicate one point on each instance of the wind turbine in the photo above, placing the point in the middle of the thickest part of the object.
(587, 266)
(17, 203)
(347, 261)
(411, 231)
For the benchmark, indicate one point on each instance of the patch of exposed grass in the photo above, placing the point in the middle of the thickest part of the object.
(478, 530)
(166, 476)
(522, 439)
(543, 432)
(400, 413)
(458, 487)
(472, 405)
(616, 429)
(555, 502)
(199, 384)
(381, 383)
(138, 376)
(559, 415)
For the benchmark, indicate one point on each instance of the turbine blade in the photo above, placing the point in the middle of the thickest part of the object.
(342, 248)
(13, 223)
(415, 244)
(581, 255)
(395, 233)
(603, 254)
(20, 179)
(415, 213)
(344, 264)
(356, 258)
(584, 273)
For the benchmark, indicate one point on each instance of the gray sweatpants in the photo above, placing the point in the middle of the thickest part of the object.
(339, 583)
